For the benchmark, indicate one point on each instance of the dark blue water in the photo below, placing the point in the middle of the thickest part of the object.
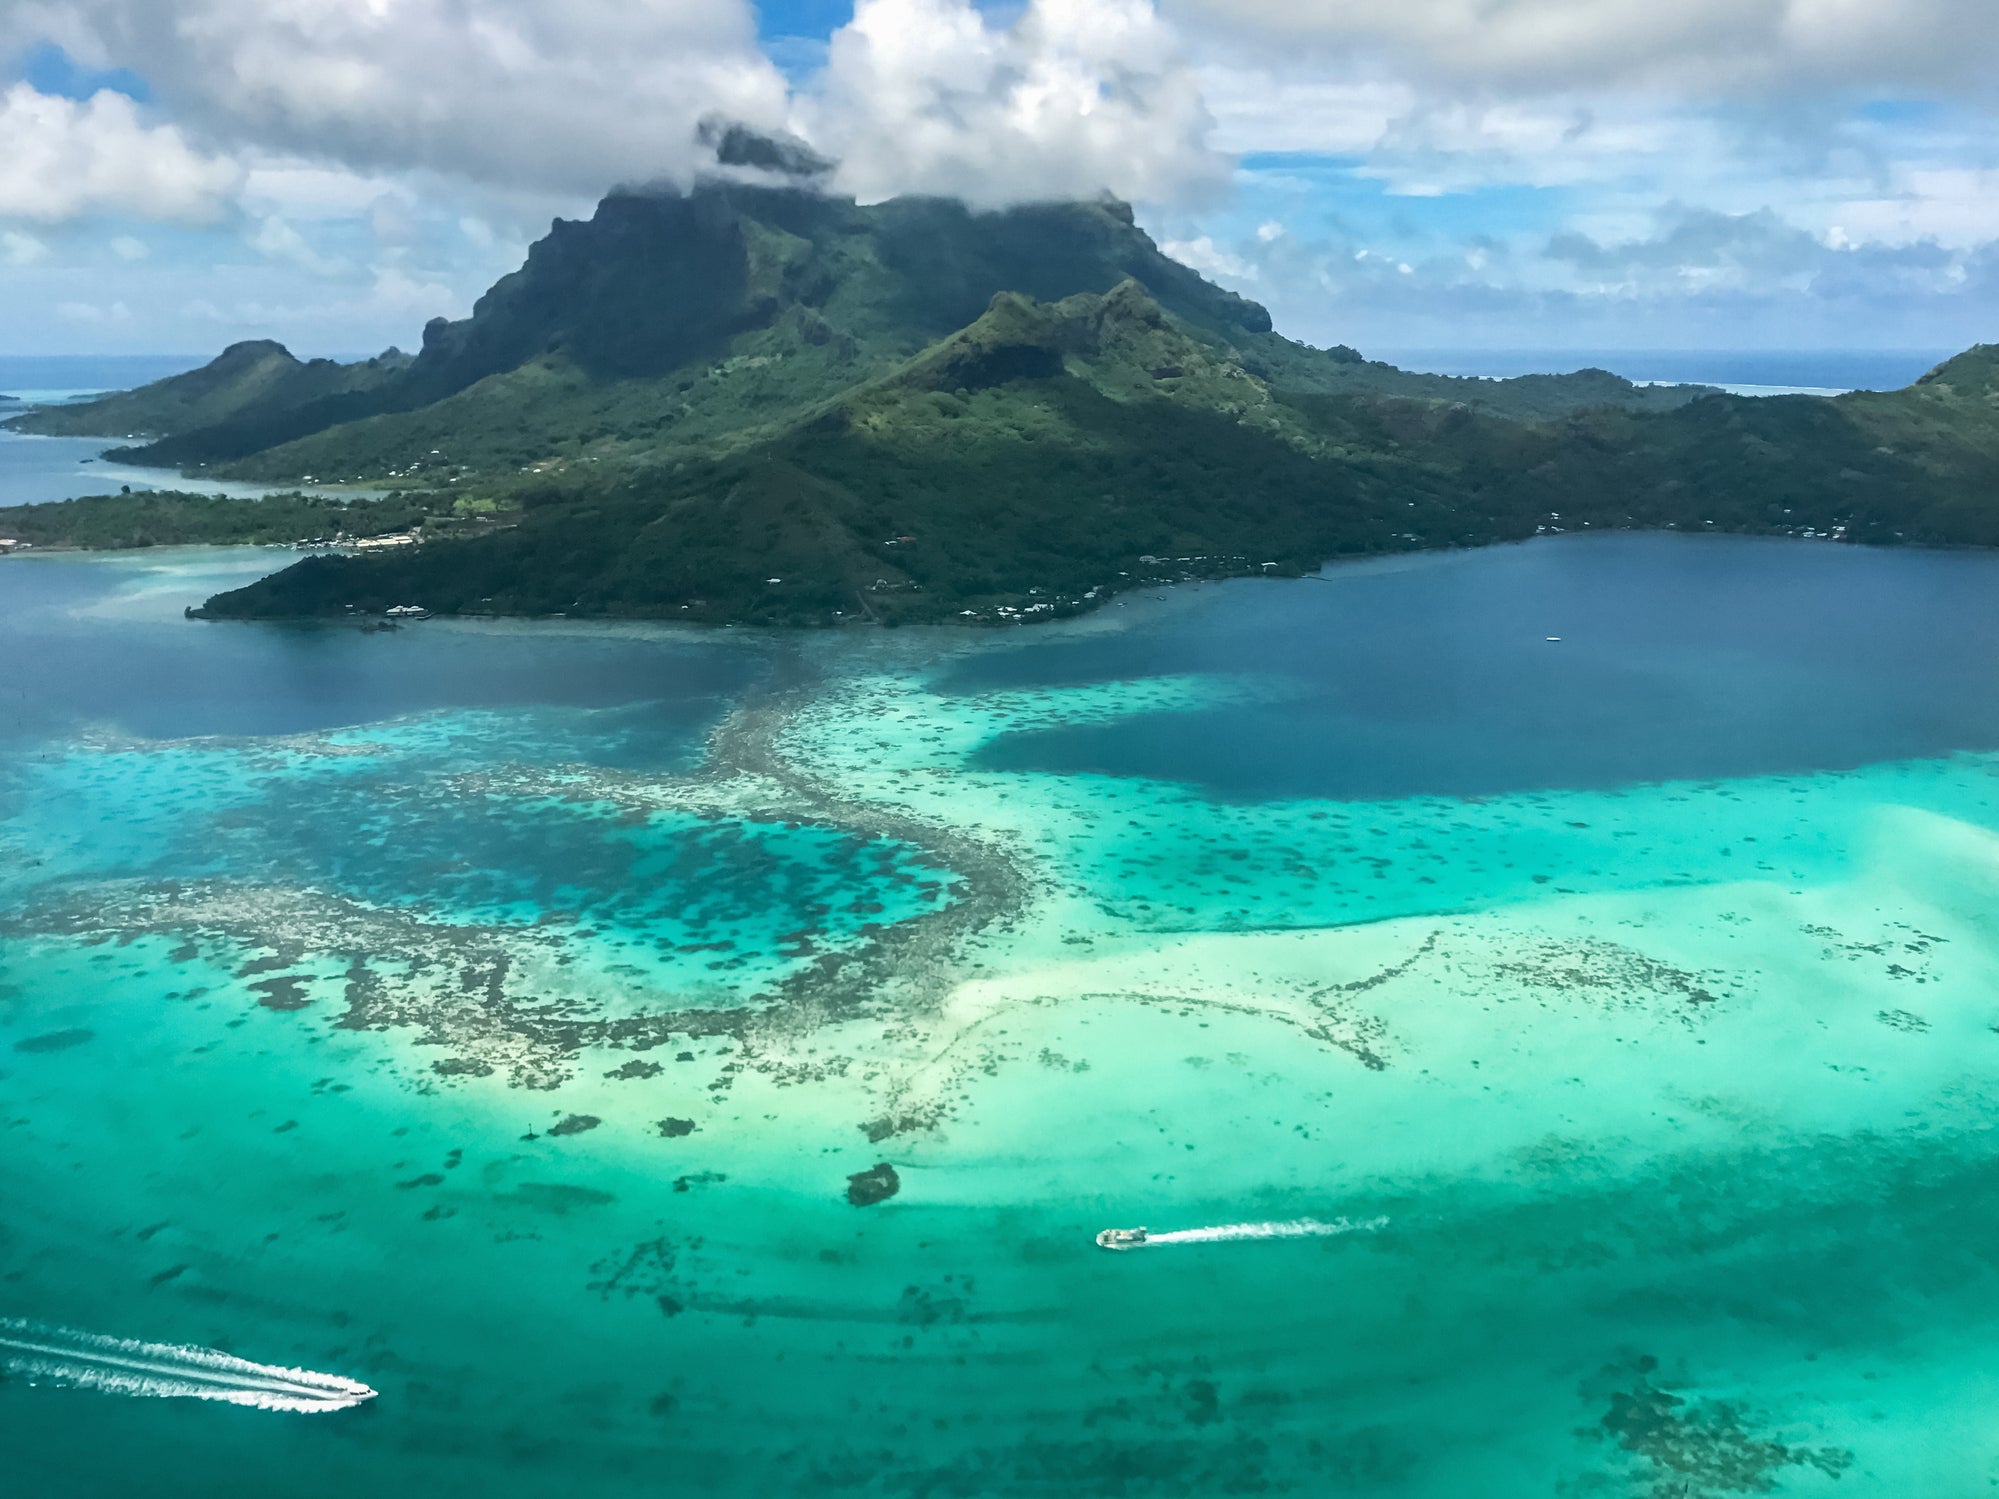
(1680, 658)
(77, 655)
(1833, 369)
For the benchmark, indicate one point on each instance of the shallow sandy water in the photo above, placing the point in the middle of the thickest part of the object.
(1667, 1107)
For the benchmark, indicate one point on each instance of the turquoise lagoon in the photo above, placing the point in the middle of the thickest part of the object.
(496, 1014)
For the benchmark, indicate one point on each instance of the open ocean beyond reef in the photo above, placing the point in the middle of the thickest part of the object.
(1565, 974)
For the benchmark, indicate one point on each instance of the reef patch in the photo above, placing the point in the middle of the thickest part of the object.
(55, 1041)
(876, 1184)
(1700, 1448)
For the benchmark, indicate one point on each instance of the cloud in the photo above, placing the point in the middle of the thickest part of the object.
(1704, 48)
(1262, 105)
(96, 315)
(386, 296)
(279, 241)
(17, 249)
(65, 158)
(1697, 248)
(544, 101)
(1074, 97)
(1957, 206)
(519, 94)
(1411, 164)
(1685, 277)
(1210, 259)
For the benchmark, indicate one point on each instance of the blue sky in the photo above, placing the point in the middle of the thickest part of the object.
(1386, 173)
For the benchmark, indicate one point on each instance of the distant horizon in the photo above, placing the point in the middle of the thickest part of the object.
(1852, 368)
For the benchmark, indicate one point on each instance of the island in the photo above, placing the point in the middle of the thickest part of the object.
(756, 402)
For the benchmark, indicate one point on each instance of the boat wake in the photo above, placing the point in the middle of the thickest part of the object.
(122, 1366)
(1294, 1228)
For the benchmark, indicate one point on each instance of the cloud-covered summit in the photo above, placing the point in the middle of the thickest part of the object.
(1399, 171)
(512, 94)
(523, 97)
(1075, 97)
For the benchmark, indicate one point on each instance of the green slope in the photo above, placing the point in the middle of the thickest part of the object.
(763, 403)
(249, 397)
(1048, 456)
(669, 323)
(123, 522)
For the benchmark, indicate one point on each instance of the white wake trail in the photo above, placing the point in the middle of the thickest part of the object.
(124, 1366)
(1293, 1228)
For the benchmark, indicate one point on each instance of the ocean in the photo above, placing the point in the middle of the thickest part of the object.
(1545, 1065)
(1535, 997)
(46, 378)
(1749, 371)
(37, 470)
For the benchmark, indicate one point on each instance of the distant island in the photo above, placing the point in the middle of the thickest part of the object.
(755, 402)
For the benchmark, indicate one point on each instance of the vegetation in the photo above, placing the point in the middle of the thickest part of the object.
(671, 322)
(110, 522)
(758, 404)
(1048, 457)
(251, 397)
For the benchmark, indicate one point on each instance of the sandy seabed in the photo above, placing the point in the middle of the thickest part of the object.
(528, 1091)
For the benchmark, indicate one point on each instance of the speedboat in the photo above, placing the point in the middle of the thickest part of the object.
(1121, 1238)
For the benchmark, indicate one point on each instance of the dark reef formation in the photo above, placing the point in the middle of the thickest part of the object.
(877, 1184)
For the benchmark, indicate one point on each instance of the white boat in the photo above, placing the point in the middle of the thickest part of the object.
(1121, 1238)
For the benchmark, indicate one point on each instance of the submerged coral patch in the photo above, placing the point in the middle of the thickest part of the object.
(876, 1184)
(1699, 1448)
(55, 1041)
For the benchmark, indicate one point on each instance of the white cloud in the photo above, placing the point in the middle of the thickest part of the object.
(386, 159)
(525, 96)
(1209, 258)
(64, 158)
(300, 190)
(99, 315)
(1695, 248)
(1261, 105)
(280, 241)
(1692, 47)
(1074, 97)
(388, 297)
(18, 249)
(547, 98)
(1953, 206)
(1456, 146)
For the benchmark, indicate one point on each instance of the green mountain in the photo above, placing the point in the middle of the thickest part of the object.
(766, 404)
(1050, 455)
(713, 317)
(253, 396)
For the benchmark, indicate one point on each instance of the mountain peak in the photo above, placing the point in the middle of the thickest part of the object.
(1018, 338)
(1974, 372)
(251, 350)
(660, 278)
